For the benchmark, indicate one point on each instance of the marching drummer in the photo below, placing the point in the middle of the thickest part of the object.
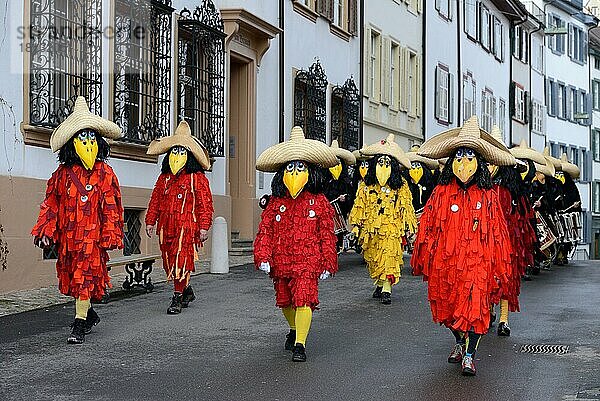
(571, 201)
(338, 190)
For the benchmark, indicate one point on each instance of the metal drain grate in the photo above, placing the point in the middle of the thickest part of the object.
(544, 349)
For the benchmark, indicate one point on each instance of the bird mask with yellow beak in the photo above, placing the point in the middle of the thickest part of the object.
(383, 170)
(416, 172)
(295, 177)
(86, 147)
(464, 164)
(177, 159)
(336, 171)
(524, 173)
(560, 176)
(363, 169)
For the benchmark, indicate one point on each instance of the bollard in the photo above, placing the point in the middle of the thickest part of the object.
(219, 263)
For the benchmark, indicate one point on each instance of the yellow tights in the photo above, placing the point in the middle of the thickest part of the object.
(81, 308)
(299, 319)
(290, 315)
(504, 311)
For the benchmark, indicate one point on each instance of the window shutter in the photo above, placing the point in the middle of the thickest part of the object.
(451, 98)
(570, 40)
(419, 6)
(353, 17)
(402, 84)
(549, 97)
(570, 110)
(527, 107)
(511, 100)
(418, 83)
(385, 69)
(585, 47)
(405, 74)
(367, 63)
(587, 102)
(325, 8)
(554, 99)
(436, 97)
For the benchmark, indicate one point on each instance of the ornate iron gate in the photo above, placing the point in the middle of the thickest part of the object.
(345, 115)
(310, 102)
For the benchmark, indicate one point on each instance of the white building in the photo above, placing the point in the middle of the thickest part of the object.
(594, 60)
(393, 78)
(241, 72)
(568, 100)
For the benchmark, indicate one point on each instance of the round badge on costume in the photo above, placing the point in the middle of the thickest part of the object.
(282, 208)
(454, 208)
(88, 187)
(179, 196)
(478, 206)
(278, 218)
(311, 213)
(84, 198)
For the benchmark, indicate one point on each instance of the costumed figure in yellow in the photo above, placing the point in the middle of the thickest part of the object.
(384, 213)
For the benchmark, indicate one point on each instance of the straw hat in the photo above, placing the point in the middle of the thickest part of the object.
(413, 156)
(182, 137)
(569, 167)
(547, 169)
(80, 119)
(470, 135)
(555, 162)
(525, 152)
(358, 155)
(345, 155)
(296, 148)
(387, 147)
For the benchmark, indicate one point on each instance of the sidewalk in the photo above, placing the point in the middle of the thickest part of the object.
(26, 300)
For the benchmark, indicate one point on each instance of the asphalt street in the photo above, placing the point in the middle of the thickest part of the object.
(229, 345)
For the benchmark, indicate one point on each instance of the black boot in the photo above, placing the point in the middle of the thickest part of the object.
(503, 329)
(188, 296)
(386, 298)
(299, 354)
(91, 320)
(175, 307)
(527, 275)
(377, 292)
(492, 319)
(290, 340)
(78, 333)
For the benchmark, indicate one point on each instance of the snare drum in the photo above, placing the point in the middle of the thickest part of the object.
(339, 223)
(547, 237)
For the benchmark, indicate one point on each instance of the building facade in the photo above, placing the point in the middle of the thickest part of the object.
(392, 72)
(594, 67)
(226, 66)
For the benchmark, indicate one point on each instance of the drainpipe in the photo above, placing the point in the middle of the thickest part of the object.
(361, 73)
(281, 71)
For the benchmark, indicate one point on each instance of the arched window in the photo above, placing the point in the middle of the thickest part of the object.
(345, 115)
(201, 75)
(65, 58)
(310, 101)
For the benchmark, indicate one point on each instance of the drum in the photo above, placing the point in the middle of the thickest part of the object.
(339, 223)
(547, 237)
(577, 225)
(567, 223)
(560, 230)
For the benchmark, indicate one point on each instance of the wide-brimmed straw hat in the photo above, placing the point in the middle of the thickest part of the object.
(182, 137)
(82, 119)
(569, 167)
(296, 148)
(359, 155)
(547, 168)
(345, 155)
(555, 162)
(387, 147)
(413, 156)
(525, 152)
(470, 135)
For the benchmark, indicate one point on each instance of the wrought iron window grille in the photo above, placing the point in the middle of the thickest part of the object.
(201, 75)
(132, 238)
(345, 115)
(310, 101)
(65, 53)
(142, 69)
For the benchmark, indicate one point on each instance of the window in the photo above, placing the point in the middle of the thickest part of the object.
(374, 76)
(596, 145)
(597, 63)
(471, 19)
(469, 90)
(310, 101)
(502, 116)
(596, 94)
(537, 54)
(498, 45)
(411, 84)
(338, 13)
(345, 115)
(65, 58)
(484, 27)
(131, 231)
(573, 106)
(142, 69)
(444, 8)
(586, 166)
(537, 124)
(520, 44)
(577, 44)
(561, 101)
(596, 196)
(556, 42)
(575, 156)
(488, 109)
(551, 97)
(394, 75)
(519, 102)
(444, 95)
(201, 76)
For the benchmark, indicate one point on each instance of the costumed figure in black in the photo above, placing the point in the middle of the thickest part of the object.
(570, 215)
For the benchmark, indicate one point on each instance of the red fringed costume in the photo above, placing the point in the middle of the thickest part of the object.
(522, 236)
(296, 237)
(180, 206)
(84, 223)
(461, 252)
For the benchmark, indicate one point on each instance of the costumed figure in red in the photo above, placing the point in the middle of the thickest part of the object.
(82, 216)
(462, 249)
(296, 244)
(180, 209)
(518, 213)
